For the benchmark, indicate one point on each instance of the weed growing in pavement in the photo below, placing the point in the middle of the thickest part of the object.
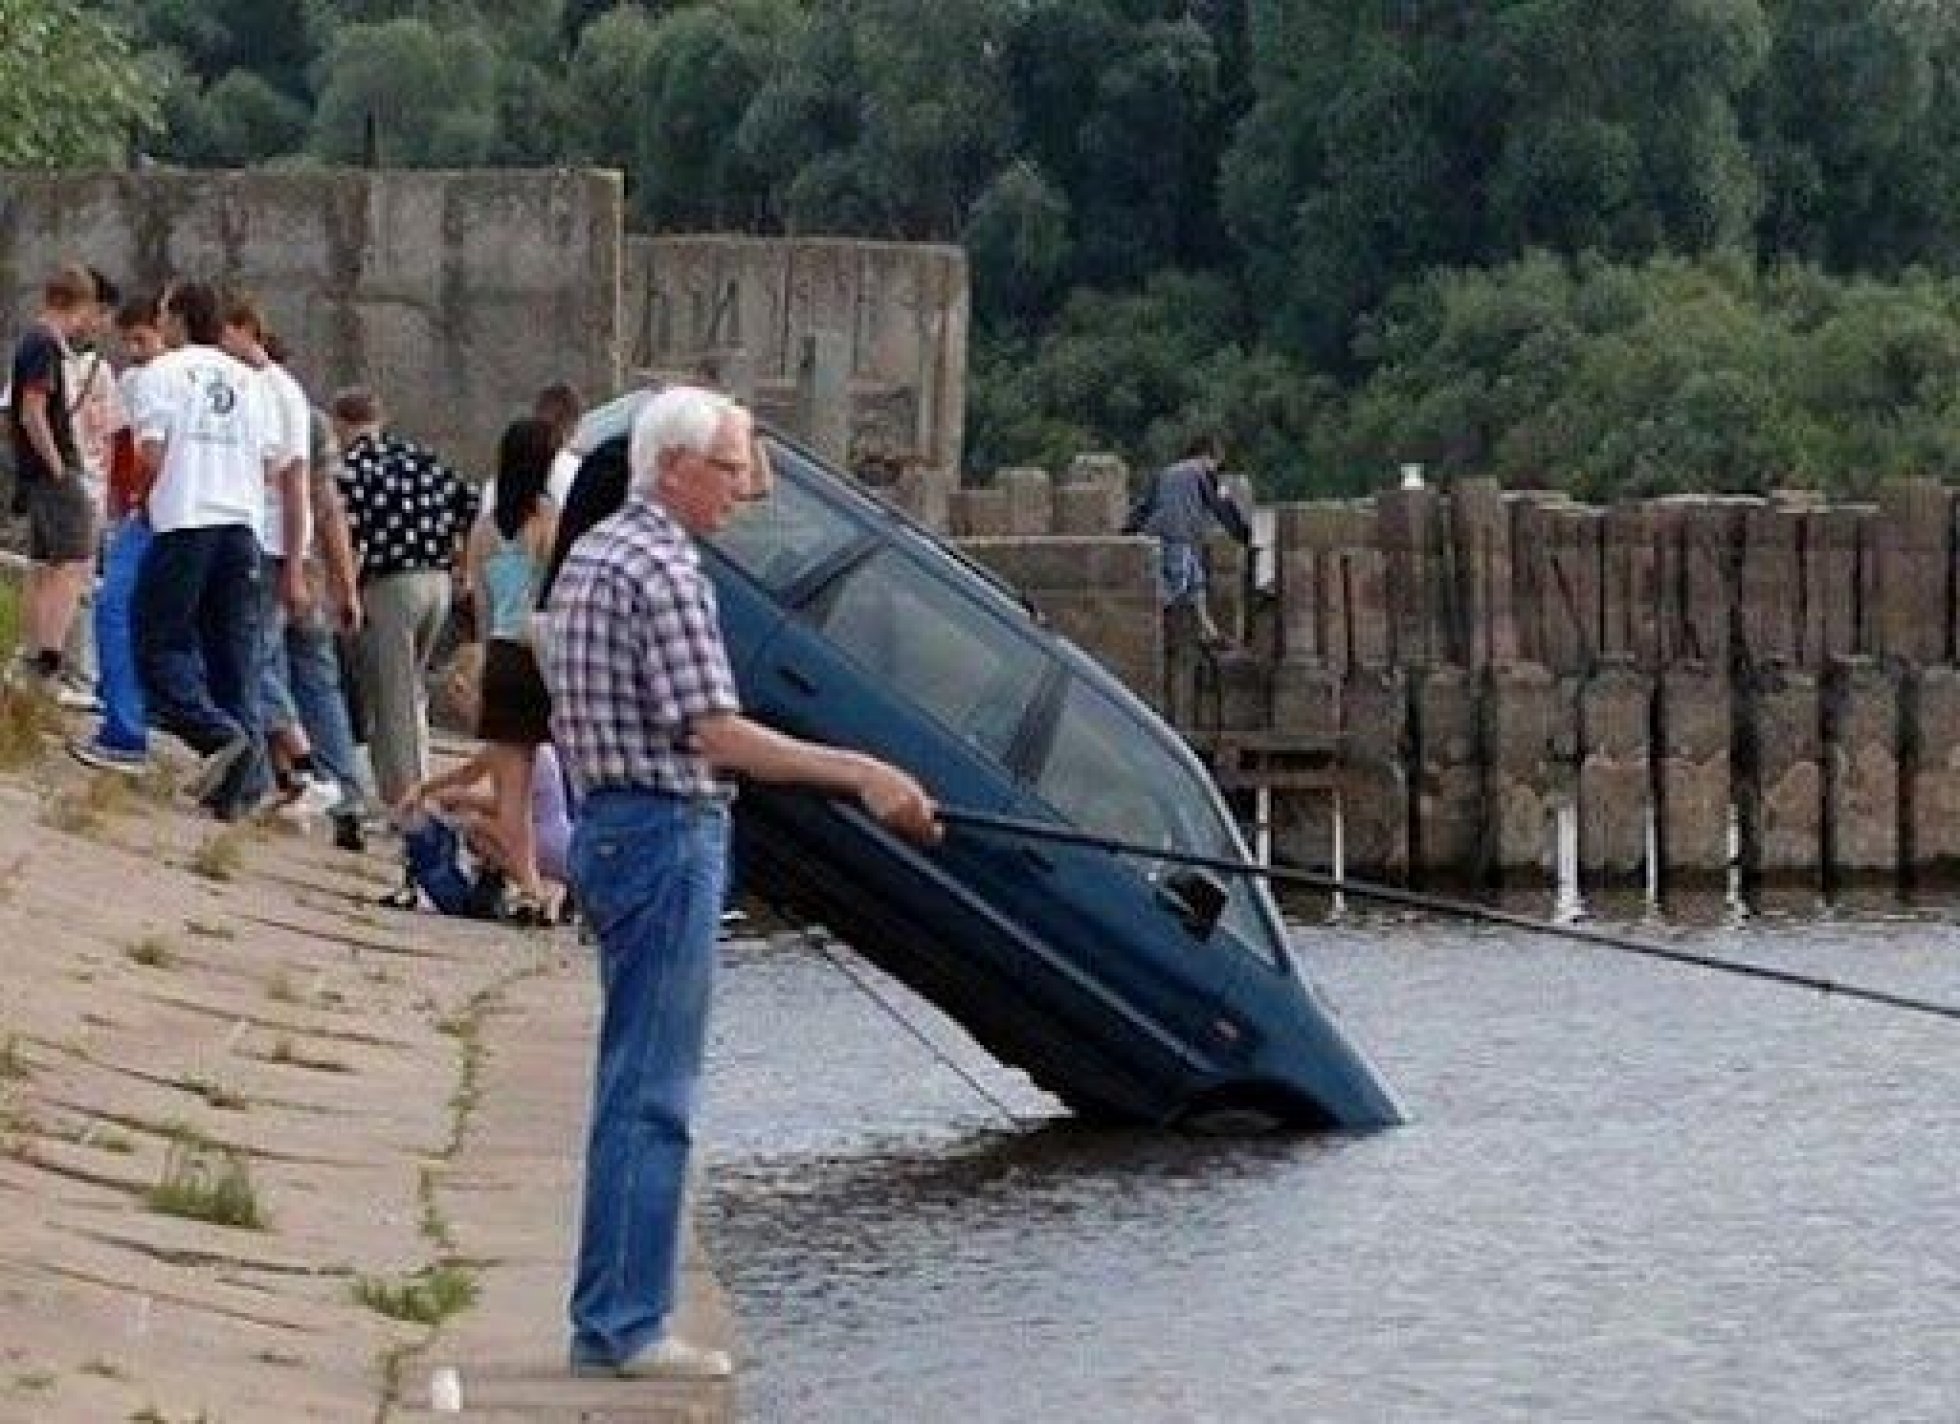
(206, 929)
(206, 1183)
(219, 855)
(27, 719)
(152, 951)
(13, 1063)
(428, 1297)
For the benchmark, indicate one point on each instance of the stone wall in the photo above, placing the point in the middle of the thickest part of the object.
(769, 314)
(1712, 685)
(456, 295)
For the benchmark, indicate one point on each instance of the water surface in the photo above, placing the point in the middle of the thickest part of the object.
(1632, 1191)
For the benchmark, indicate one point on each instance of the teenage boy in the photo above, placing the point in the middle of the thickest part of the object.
(53, 486)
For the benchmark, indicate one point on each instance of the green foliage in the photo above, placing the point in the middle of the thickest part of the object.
(206, 1183)
(71, 91)
(430, 97)
(428, 1297)
(1607, 243)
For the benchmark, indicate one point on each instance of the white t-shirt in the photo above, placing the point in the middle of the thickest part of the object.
(292, 417)
(210, 412)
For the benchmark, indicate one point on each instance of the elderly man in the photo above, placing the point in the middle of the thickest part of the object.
(647, 722)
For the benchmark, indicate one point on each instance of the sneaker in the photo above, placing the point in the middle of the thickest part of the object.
(90, 751)
(665, 1358)
(310, 797)
(74, 695)
(217, 767)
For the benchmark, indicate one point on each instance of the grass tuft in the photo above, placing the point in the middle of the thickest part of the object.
(27, 719)
(219, 856)
(428, 1297)
(152, 951)
(206, 1183)
(13, 1063)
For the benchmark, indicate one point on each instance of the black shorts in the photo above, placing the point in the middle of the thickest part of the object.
(60, 521)
(516, 706)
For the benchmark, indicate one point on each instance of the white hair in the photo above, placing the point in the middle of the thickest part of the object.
(678, 418)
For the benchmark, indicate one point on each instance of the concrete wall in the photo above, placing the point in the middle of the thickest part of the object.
(455, 294)
(754, 306)
(1717, 685)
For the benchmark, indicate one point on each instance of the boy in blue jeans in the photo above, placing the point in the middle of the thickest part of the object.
(121, 741)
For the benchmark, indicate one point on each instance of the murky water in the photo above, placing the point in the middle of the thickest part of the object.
(1632, 1192)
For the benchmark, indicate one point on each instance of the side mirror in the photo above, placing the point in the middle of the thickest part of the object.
(1196, 898)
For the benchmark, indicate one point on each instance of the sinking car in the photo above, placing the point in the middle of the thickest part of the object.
(1135, 989)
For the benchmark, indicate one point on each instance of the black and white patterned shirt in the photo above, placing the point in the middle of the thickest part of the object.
(633, 657)
(406, 509)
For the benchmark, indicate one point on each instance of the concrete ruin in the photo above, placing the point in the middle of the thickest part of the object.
(1711, 686)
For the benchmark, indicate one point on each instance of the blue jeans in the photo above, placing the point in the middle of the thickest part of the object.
(124, 726)
(313, 670)
(197, 643)
(650, 872)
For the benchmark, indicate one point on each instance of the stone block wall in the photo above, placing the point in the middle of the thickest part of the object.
(757, 310)
(1714, 685)
(456, 295)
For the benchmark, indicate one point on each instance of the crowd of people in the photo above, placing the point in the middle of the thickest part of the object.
(274, 580)
(217, 557)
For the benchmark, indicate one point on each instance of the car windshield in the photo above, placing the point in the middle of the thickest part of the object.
(1113, 777)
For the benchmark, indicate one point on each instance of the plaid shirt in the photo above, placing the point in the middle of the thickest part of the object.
(633, 657)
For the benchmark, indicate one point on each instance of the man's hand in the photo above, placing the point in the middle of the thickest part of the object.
(899, 802)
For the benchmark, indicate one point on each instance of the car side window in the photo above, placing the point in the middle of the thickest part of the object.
(1112, 777)
(778, 539)
(943, 649)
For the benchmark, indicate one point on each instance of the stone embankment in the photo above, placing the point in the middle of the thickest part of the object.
(268, 1153)
(1702, 682)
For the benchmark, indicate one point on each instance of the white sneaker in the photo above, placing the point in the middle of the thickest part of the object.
(665, 1358)
(312, 797)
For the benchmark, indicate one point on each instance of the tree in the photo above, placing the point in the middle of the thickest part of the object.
(1017, 241)
(430, 97)
(72, 93)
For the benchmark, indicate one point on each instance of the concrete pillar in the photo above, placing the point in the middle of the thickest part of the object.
(1560, 556)
(1861, 776)
(1410, 525)
(1779, 782)
(1521, 773)
(1030, 500)
(980, 513)
(1830, 586)
(1243, 688)
(823, 394)
(1480, 532)
(1312, 592)
(1374, 774)
(1616, 706)
(1692, 775)
(927, 495)
(1087, 509)
(1932, 776)
(1364, 581)
(1710, 543)
(1225, 573)
(1771, 585)
(1306, 702)
(1631, 591)
(1914, 547)
(1449, 800)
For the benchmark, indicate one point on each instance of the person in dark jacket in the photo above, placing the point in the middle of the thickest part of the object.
(1180, 505)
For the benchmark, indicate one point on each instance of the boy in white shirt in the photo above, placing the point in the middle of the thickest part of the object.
(205, 428)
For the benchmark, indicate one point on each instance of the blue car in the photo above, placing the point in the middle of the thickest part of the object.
(1134, 989)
